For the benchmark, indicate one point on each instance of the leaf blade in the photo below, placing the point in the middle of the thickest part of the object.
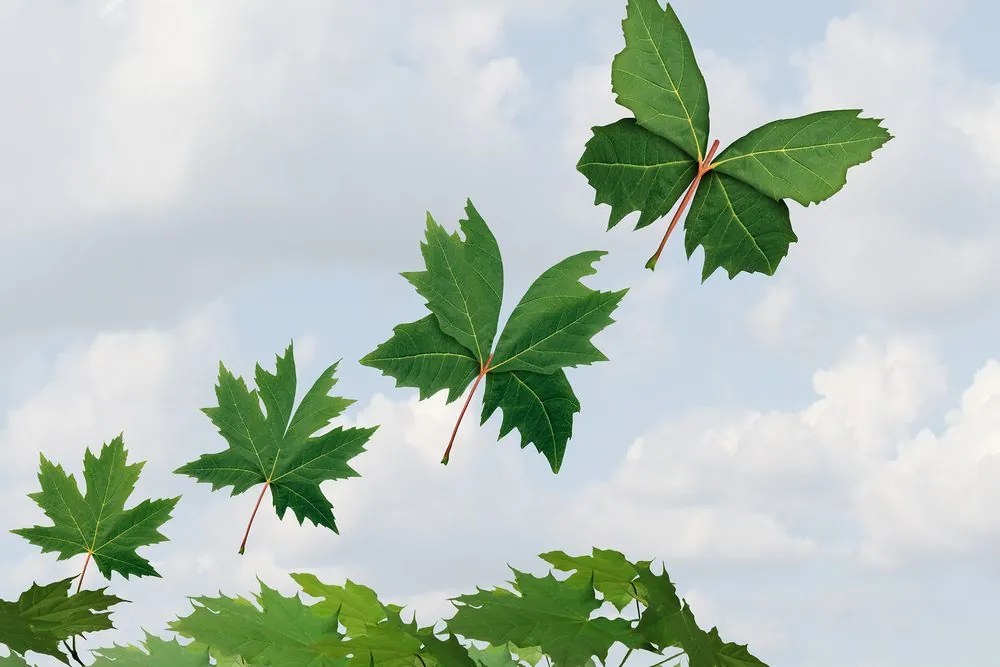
(656, 76)
(632, 169)
(804, 158)
(739, 228)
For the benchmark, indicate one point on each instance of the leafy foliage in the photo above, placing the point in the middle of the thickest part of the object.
(43, 616)
(645, 164)
(278, 447)
(543, 619)
(549, 330)
(157, 653)
(97, 524)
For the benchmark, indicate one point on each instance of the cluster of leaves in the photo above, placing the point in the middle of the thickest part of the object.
(548, 330)
(643, 164)
(538, 620)
(737, 214)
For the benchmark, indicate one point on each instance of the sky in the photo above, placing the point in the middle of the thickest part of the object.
(815, 456)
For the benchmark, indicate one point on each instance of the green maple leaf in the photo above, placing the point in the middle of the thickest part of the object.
(611, 573)
(275, 632)
(376, 631)
(97, 524)
(549, 330)
(280, 448)
(553, 615)
(158, 653)
(667, 621)
(737, 214)
(43, 616)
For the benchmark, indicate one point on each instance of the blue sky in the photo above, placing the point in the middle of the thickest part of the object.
(813, 455)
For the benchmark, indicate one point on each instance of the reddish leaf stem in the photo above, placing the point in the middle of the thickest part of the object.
(703, 167)
(482, 373)
(86, 562)
(243, 544)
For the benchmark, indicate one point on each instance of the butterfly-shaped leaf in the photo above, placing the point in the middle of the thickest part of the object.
(277, 446)
(43, 616)
(97, 524)
(549, 330)
(647, 163)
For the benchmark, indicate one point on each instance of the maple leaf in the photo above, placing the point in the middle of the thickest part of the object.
(548, 330)
(647, 163)
(611, 573)
(97, 524)
(376, 631)
(43, 616)
(158, 653)
(541, 611)
(280, 448)
(277, 631)
(668, 621)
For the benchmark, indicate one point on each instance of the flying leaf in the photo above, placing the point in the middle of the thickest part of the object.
(657, 78)
(544, 612)
(737, 213)
(97, 524)
(43, 616)
(633, 169)
(805, 158)
(549, 330)
(280, 448)
(158, 653)
(739, 228)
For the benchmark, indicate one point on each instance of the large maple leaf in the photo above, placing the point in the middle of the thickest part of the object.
(281, 448)
(158, 653)
(43, 616)
(549, 330)
(737, 214)
(97, 524)
(545, 612)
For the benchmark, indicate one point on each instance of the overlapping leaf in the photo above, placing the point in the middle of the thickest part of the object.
(544, 612)
(98, 523)
(281, 448)
(647, 163)
(153, 652)
(44, 616)
(549, 330)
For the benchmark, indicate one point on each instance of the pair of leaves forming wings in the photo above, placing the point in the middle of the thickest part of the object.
(548, 331)
(648, 162)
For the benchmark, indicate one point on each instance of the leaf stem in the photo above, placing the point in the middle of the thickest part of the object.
(482, 373)
(620, 664)
(79, 584)
(72, 652)
(665, 660)
(243, 544)
(703, 167)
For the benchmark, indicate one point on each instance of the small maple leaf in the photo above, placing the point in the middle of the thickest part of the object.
(98, 524)
(549, 330)
(737, 214)
(280, 448)
(45, 615)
